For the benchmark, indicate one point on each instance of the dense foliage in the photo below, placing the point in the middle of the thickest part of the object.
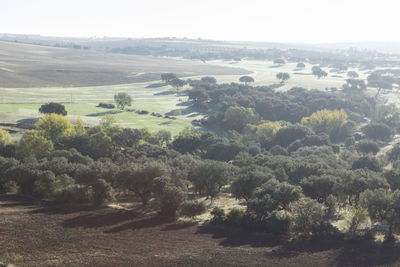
(292, 158)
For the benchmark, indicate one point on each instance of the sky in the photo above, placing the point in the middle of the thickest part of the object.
(300, 21)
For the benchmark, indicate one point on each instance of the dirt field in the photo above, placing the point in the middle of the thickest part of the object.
(23, 65)
(34, 235)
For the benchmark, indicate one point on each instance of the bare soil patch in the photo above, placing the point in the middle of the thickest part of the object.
(47, 235)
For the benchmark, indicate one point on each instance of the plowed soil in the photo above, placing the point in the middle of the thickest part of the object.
(47, 235)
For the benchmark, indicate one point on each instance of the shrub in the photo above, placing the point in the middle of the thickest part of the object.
(235, 217)
(358, 216)
(278, 222)
(367, 147)
(102, 192)
(285, 136)
(192, 208)
(218, 216)
(170, 200)
(73, 195)
(9, 187)
(44, 184)
(278, 150)
(105, 105)
(394, 153)
(248, 179)
(377, 131)
(349, 141)
(308, 218)
(368, 162)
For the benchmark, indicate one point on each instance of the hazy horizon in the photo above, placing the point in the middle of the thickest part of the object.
(285, 21)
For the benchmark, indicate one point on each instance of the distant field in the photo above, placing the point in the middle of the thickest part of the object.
(32, 75)
(264, 73)
(23, 65)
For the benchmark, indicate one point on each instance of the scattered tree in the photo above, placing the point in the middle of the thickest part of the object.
(246, 79)
(53, 108)
(122, 100)
(284, 76)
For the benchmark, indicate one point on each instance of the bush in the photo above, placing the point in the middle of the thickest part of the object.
(44, 185)
(278, 150)
(9, 187)
(192, 208)
(105, 105)
(394, 153)
(285, 136)
(235, 217)
(218, 216)
(73, 195)
(349, 141)
(308, 218)
(377, 131)
(169, 197)
(142, 112)
(278, 222)
(367, 147)
(368, 162)
(102, 192)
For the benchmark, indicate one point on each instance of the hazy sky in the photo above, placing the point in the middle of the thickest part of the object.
(252, 20)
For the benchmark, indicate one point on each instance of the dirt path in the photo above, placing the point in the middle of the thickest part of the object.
(50, 236)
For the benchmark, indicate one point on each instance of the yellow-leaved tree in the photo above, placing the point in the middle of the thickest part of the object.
(53, 126)
(33, 143)
(5, 137)
(79, 127)
(263, 131)
(332, 122)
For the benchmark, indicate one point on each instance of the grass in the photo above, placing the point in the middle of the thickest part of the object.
(264, 73)
(92, 114)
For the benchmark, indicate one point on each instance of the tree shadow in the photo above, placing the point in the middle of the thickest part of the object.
(187, 103)
(17, 200)
(233, 237)
(26, 123)
(344, 252)
(178, 226)
(106, 218)
(368, 254)
(65, 208)
(147, 222)
(302, 73)
(165, 93)
(111, 112)
(165, 123)
(156, 85)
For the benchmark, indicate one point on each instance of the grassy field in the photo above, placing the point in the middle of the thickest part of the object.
(32, 75)
(264, 73)
(14, 113)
